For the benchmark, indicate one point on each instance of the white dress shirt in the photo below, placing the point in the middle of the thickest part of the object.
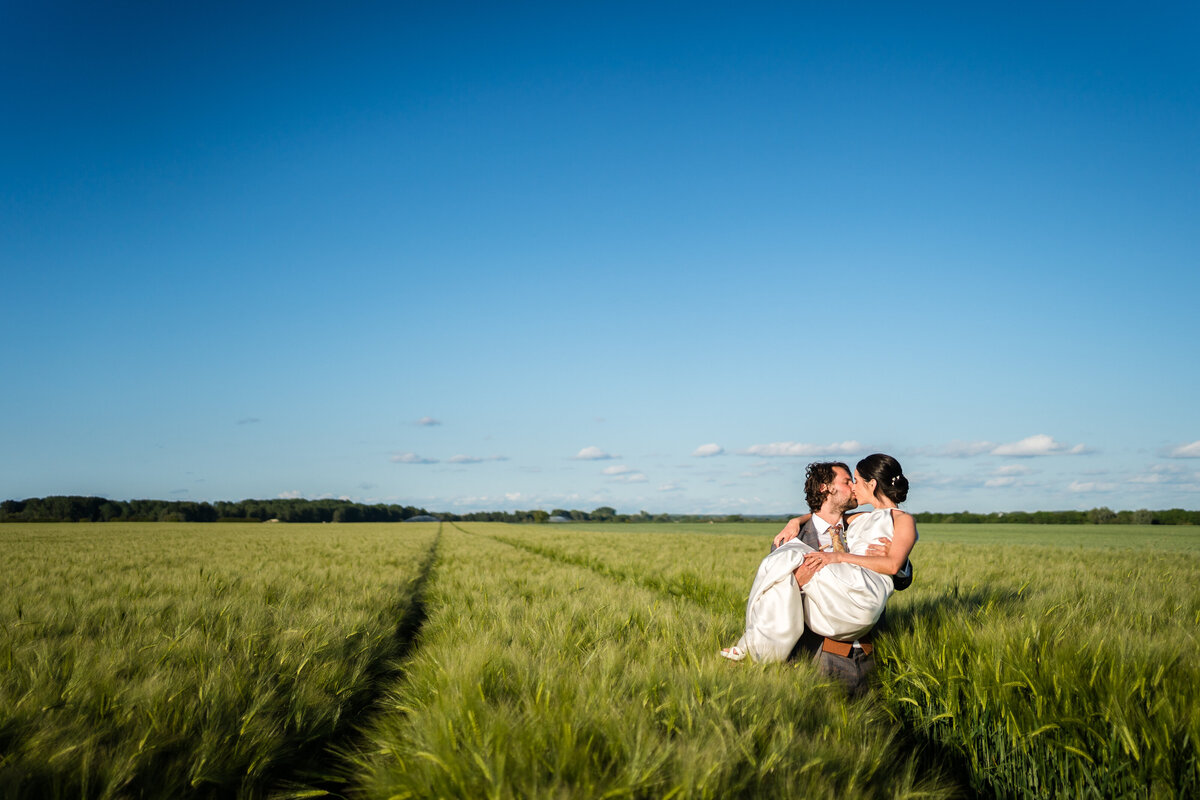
(823, 537)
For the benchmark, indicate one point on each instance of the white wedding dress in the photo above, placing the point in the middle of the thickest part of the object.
(841, 601)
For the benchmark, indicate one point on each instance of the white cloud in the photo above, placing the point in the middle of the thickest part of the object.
(803, 449)
(1007, 475)
(593, 454)
(961, 449)
(706, 450)
(292, 495)
(634, 477)
(617, 469)
(670, 486)
(411, 458)
(1169, 474)
(428, 421)
(1088, 487)
(931, 479)
(1159, 473)
(501, 501)
(461, 459)
(1186, 451)
(760, 471)
(1038, 445)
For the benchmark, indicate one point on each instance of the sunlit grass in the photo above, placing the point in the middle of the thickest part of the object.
(1054, 670)
(172, 660)
(581, 661)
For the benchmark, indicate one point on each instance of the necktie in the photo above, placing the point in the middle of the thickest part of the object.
(838, 536)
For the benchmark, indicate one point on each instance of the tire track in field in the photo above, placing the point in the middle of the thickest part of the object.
(414, 616)
(317, 769)
(697, 592)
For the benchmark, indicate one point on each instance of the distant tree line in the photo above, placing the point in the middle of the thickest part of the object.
(601, 514)
(99, 509)
(1095, 516)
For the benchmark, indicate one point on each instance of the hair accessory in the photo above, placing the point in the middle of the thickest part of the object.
(895, 478)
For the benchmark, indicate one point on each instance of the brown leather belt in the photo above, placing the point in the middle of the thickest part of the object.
(843, 648)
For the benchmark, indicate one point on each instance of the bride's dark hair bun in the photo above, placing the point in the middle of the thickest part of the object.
(887, 474)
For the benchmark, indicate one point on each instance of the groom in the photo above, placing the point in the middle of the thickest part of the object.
(829, 491)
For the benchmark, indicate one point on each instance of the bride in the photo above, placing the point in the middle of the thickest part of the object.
(845, 596)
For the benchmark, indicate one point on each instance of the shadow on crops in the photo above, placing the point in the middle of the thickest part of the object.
(925, 615)
(939, 764)
(953, 604)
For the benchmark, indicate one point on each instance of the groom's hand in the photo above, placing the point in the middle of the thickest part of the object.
(805, 571)
(880, 547)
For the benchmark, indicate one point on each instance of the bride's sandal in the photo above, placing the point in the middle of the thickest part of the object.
(734, 653)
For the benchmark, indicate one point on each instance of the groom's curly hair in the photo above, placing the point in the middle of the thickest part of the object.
(820, 474)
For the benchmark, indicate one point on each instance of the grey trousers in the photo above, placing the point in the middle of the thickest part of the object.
(852, 671)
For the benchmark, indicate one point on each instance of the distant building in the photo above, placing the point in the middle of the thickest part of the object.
(423, 518)
(560, 518)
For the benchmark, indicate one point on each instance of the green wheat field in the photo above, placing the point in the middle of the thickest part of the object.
(483, 660)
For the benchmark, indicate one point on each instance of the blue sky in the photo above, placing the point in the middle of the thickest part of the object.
(653, 256)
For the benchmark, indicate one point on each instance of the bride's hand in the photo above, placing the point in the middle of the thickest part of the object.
(819, 559)
(789, 532)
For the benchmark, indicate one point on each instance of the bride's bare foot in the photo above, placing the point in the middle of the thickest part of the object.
(734, 653)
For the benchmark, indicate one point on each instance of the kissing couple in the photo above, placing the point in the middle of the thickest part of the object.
(829, 575)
